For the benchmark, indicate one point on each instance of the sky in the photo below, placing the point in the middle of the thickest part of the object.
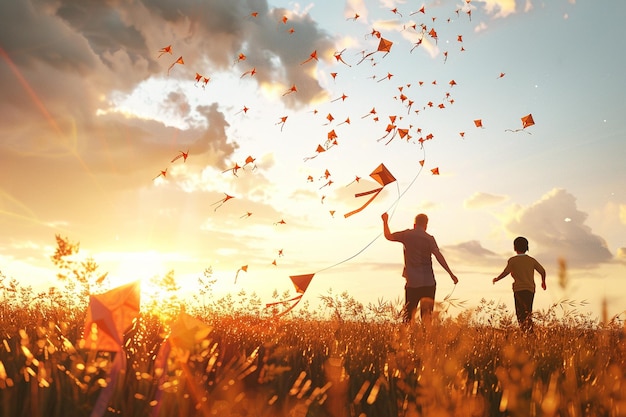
(282, 106)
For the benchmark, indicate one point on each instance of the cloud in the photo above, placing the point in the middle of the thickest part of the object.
(470, 253)
(480, 199)
(621, 254)
(498, 8)
(558, 228)
(622, 213)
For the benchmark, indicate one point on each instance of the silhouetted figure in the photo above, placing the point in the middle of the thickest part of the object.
(418, 266)
(522, 268)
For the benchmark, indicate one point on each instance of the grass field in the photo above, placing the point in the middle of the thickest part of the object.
(233, 357)
(356, 361)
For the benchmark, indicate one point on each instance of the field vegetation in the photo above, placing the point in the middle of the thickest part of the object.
(347, 359)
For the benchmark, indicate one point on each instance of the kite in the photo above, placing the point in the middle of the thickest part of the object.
(249, 160)
(422, 10)
(527, 121)
(319, 150)
(435, 171)
(243, 110)
(354, 18)
(293, 89)
(234, 169)
(373, 111)
(249, 72)
(382, 176)
(222, 201)
(338, 57)
(166, 50)
(383, 46)
(300, 283)
(280, 222)
(183, 155)
(395, 11)
(163, 174)
(248, 214)
(282, 122)
(389, 75)
(178, 61)
(109, 316)
(244, 268)
(313, 56)
(342, 98)
(479, 123)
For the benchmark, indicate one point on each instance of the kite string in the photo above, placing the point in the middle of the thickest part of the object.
(392, 208)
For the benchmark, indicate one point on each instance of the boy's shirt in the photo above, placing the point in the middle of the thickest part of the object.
(522, 268)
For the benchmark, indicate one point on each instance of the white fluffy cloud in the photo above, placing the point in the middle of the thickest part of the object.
(480, 199)
(558, 228)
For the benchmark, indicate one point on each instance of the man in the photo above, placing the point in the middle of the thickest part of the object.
(418, 267)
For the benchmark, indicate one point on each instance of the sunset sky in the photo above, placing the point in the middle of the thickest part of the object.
(91, 113)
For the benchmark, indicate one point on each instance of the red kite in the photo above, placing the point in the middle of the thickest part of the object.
(293, 89)
(249, 72)
(382, 176)
(383, 46)
(282, 122)
(313, 56)
(109, 316)
(244, 268)
(300, 283)
(166, 50)
(163, 174)
(222, 201)
(319, 150)
(478, 122)
(249, 160)
(183, 155)
(526, 122)
(338, 57)
(178, 61)
(422, 10)
(435, 171)
(373, 111)
(234, 169)
(342, 98)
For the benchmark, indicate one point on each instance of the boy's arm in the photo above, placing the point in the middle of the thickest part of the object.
(503, 274)
(539, 268)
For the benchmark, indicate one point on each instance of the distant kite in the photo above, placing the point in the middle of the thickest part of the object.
(300, 283)
(383, 46)
(527, 121)
(178, 61)
(183, 155)
(165, 50)
(222, 201)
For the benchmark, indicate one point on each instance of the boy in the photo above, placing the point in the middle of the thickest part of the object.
(522, 268)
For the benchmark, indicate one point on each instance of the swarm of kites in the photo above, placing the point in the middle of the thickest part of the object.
(402, 125)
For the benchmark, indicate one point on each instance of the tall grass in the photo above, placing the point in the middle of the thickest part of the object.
(349, 359)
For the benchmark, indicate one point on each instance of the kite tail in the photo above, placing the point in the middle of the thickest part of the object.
(297, 299)
(375, 192)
